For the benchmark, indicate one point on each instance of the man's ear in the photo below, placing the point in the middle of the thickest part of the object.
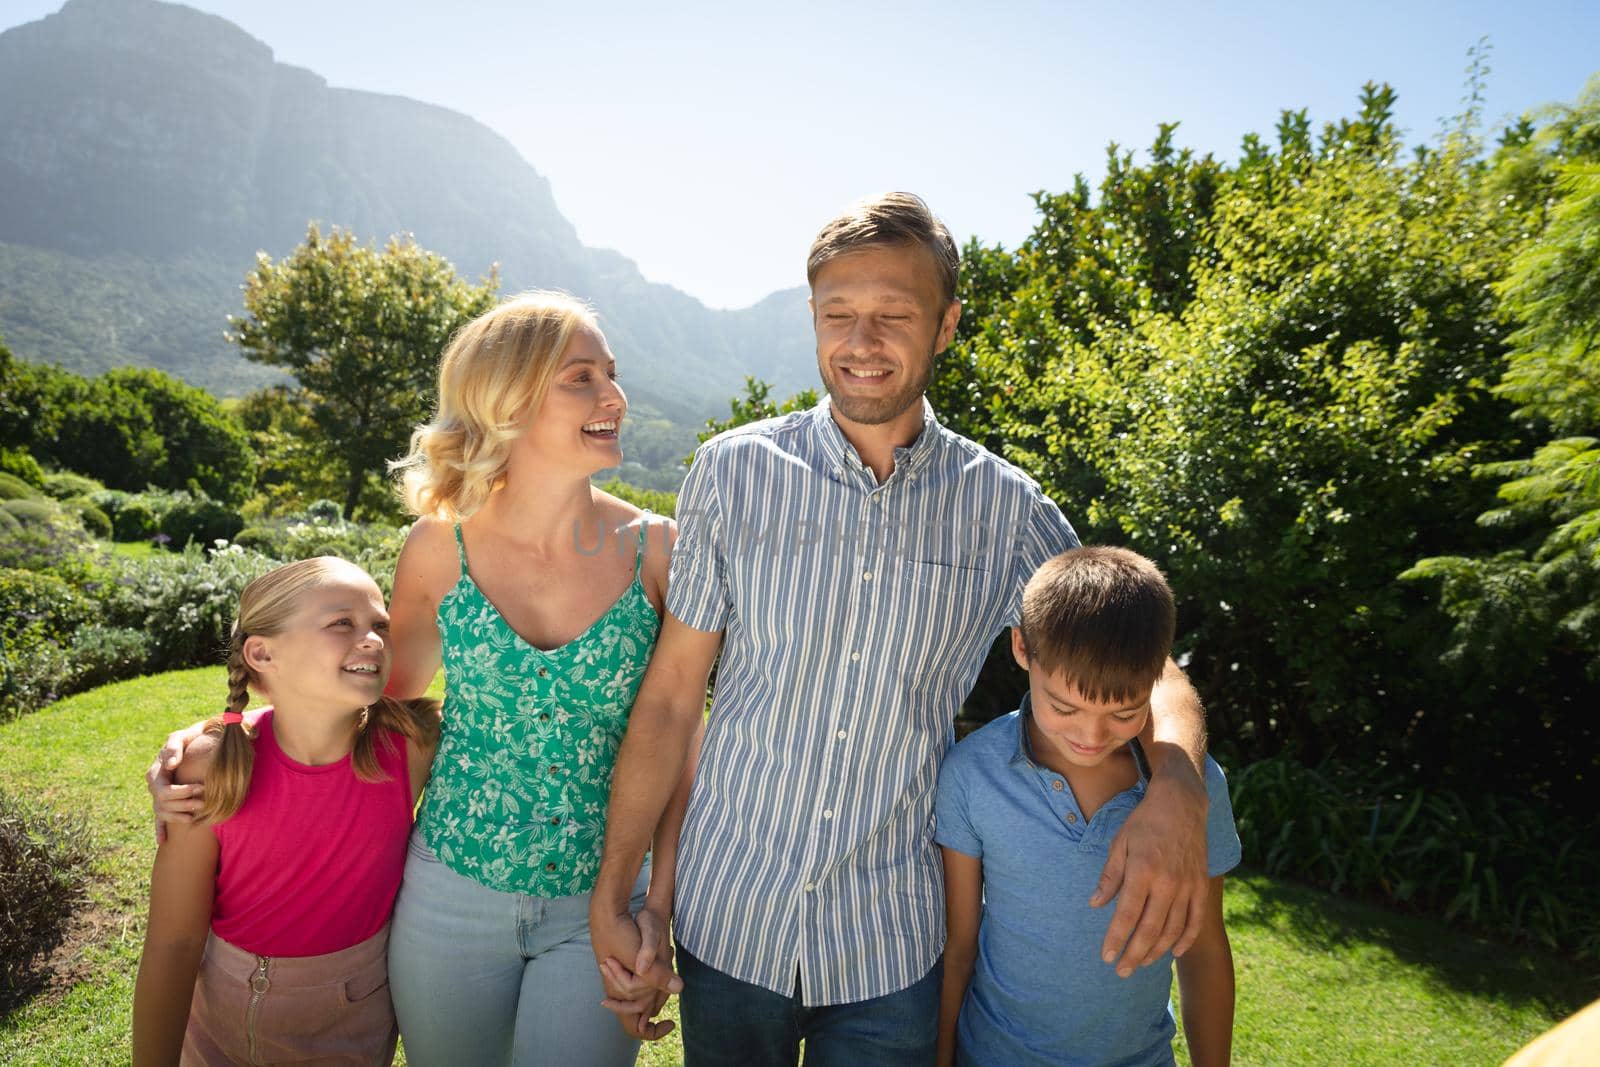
(1019, 650)
(947, 326)
(257, 653)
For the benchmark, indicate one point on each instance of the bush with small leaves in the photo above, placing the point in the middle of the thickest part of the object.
(45, 860)
(134, 520)
(19, 464)
(66, 485)
(14, 488)
(93, 519)
(200, 521)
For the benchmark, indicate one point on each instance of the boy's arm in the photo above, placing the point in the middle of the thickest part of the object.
(1157, 867)
(182, 886)
(1205, 986)
(963, 909)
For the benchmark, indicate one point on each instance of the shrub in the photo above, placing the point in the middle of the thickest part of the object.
(66, 485)
(31, 511)
(8, 525)
(93, 519)
(1488, 863)
(38, 615)
(324, 511)
(134, 520)
(185, 601)
(42, 538)
(199, 521)
(45, 859)
(102, 654)
(19, 464)
(371, 546)
(109, 501)
(14, 488)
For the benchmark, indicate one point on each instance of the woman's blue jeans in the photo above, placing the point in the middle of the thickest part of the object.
(484, 977)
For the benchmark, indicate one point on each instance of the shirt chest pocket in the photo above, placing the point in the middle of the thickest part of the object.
(943, 616)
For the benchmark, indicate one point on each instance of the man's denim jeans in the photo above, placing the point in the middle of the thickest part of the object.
(729, 1023)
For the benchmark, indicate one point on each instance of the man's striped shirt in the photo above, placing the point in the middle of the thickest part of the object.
(856, 617)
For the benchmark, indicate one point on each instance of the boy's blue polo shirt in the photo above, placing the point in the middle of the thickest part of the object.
(1039, 993)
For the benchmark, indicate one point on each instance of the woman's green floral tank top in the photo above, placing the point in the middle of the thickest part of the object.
(517, 800)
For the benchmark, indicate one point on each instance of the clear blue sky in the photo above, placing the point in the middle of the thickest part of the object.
(707, 141)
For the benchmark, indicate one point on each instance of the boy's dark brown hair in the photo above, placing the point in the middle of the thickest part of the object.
(888, 219)
(1102, 618)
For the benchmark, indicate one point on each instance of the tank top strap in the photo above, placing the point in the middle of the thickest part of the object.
(461, 550)
(644, 533)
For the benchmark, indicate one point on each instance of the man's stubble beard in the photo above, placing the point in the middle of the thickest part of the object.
(867, 412)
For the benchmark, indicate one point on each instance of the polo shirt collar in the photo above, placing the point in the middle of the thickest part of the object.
(908, 457)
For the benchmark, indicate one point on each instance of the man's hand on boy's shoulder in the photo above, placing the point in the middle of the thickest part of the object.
(1157, 873)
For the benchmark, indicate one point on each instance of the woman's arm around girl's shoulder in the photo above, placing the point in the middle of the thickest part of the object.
(182, 888)
(428, 566)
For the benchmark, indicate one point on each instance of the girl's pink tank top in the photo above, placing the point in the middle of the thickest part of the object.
(311, 862)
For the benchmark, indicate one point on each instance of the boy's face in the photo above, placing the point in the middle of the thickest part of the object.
(1083, 732)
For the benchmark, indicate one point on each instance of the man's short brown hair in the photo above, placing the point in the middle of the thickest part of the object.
(888, 219)
(1102, 618)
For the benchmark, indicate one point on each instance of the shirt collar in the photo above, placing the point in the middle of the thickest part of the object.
(908, 457)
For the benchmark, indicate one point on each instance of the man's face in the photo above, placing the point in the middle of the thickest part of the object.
(880, 320)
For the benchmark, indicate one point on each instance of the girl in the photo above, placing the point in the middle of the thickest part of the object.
(296, 855)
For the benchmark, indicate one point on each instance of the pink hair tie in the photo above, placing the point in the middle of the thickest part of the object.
(231, 717)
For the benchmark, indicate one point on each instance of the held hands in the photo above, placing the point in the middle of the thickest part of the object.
(1157, 873)
(170, 801)
(636, 995)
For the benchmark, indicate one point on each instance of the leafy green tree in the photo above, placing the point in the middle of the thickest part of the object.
(204, 449)
(360, 329)
(757, 404)
(1527, 613)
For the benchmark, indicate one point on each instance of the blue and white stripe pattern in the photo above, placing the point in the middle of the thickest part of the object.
(856, 617)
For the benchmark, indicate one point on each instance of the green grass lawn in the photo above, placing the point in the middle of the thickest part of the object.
(133, 549)
(1321, 980)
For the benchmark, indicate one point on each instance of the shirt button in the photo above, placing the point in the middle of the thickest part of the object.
(557, 770)
(828, 814)
(1071, 818)
(811, 887)
(555, 820)
(855, 657)
(543, 673)
(840, 735)
(1056, 785)
(550, 867)
(866, 576)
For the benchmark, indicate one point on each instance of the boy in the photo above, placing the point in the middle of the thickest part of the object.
(1026, 809)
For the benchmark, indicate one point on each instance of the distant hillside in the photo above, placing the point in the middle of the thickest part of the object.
(148, 150)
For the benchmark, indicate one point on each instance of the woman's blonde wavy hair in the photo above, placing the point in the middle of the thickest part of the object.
(265, 608)
(496, 368)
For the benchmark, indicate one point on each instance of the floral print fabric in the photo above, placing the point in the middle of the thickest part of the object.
(517, 800)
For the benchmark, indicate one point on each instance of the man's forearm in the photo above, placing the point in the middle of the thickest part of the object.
(1177, 724)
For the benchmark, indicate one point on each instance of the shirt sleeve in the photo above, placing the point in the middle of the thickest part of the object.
(1045, 533)
(1223, 850)
(697, 581)
(952, 821)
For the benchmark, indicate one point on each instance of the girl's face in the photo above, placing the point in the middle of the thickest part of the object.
(580, 419)
(334, 651)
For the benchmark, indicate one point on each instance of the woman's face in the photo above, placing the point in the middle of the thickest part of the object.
(581, 417)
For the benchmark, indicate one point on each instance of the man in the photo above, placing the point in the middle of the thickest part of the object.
(853, 563)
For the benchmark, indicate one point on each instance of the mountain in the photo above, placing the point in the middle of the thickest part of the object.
(148, 150)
